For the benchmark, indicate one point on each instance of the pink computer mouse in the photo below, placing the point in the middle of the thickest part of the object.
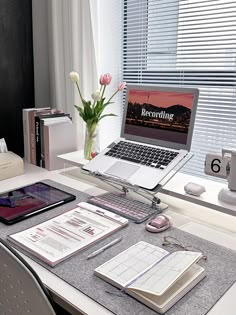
(160, 223)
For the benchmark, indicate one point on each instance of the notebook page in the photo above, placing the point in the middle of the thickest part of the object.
(128, 265)
(159, 278)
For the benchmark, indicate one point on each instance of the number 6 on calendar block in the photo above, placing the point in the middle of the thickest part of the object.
(217, 165)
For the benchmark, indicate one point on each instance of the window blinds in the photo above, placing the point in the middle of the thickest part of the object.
(187, 43)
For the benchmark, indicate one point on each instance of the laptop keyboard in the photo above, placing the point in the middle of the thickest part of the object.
(134, 210)
(142, 154)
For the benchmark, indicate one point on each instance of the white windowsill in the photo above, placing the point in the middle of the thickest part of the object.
(175, 186)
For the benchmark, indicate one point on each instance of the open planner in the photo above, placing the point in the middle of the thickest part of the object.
(62, 236)
(152, 275)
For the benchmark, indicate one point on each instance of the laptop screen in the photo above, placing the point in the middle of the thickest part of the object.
(161, 114)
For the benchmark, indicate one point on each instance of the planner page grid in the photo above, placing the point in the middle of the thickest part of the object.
(131, 263)
(159, 278)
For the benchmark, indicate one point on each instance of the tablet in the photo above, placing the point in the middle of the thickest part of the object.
(21, 203)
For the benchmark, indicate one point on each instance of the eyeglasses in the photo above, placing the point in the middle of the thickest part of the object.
(172, 242)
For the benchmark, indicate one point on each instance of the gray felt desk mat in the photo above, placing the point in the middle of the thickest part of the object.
(77, 271)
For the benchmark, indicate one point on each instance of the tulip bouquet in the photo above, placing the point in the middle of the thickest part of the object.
(91, 111)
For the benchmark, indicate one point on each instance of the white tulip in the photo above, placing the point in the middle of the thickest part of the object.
(96, 95)
(74, 77)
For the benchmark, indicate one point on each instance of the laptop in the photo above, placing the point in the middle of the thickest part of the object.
(156, 135)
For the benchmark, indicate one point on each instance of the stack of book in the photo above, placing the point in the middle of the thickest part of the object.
(47, 133)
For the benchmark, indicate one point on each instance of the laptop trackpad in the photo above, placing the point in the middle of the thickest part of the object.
(122, 170)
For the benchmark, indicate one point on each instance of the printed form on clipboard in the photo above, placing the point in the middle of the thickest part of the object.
(62, 236)
(152, 275)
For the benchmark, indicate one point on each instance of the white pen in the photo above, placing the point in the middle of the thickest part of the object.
(100, 250)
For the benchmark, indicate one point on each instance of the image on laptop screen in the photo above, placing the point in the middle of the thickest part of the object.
(169, 112)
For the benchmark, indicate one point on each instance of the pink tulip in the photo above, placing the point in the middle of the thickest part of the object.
(105, 79)
(122, 86)
(101, 79)
(93, 154)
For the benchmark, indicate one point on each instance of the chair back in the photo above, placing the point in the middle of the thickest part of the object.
(21, 291)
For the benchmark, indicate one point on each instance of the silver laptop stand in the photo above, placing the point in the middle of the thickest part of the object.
(125, 187)
(150, 195)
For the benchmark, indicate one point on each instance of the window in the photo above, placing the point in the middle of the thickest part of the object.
(187, 43)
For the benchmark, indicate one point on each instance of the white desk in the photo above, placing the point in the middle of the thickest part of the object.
(203, 222)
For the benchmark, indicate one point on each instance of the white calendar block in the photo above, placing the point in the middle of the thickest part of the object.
(217, 165)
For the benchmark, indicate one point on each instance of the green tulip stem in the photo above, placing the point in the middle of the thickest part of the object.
(104, 87)
(79, 92)
(89, 140)
(88, 148)
(113, 95)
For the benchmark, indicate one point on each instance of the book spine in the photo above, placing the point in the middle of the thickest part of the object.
(42, 158)
(32, 138)
(37, 140)
(26, 135)
(46, 147)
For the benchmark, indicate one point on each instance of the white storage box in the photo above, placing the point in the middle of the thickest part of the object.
(10, 165)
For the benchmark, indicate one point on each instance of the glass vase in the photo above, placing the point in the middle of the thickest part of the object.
(91, 141)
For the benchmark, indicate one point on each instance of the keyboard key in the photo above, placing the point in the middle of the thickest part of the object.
(130, 159)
